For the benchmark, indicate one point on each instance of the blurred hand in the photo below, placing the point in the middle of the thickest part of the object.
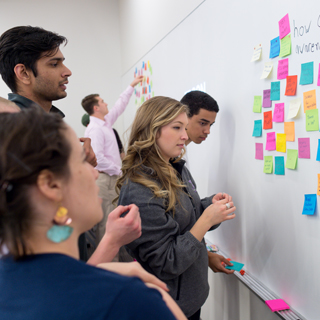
(136, 81)
(90, 155)
(217, 263)
(8, 106)
(220, 196)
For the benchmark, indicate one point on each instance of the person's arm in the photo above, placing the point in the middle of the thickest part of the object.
(8, 106)
(119, 232)
(90, 155)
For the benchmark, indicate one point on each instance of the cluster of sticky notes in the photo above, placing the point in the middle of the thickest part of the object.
(144, 90)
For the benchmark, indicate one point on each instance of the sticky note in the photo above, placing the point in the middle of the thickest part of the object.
(277, 305)
(281, 142)
(278, 113)
(259, 151)
(275, 90)
(304, 148)
(257, 129)
(284, 26)
(274, 47)
(318, 83)
(292, 158)
(257, 104)
(310, 203)
(271, 141)
(312, 120)
(268, 164)
(237, 266)
(267, 120)
(294, 107)
(318, 190)
(266, 70)
(266, 103)
(318, 151)
(279, 165)
(289, 131)
(256, 52)
(142, 65)
(306, 76)
(309, 100)
(283, 69)
(291, 86)
(285, 46)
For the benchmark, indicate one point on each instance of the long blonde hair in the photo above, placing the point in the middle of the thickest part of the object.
(144, 163)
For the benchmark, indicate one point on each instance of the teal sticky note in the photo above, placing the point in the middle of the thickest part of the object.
(279, 165)
(310, 203)
(318, 152)
(306, 76)
(274, 47)
(236, 266)
(275, 90)
(257, 129)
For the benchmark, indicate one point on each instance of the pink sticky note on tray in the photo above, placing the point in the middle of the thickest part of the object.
(283, 69)
(277, 305)
(278, 113)
(259, 151)
(304, 148)
(271, 141)
(284, 26)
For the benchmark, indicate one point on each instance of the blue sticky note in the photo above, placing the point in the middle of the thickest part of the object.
(306, 76)
(279, 165)
(310, 203)
(257, 129)
(149, 88)
(236, 266)
(136, 70)
(274, 47)
(318, 153)
(142, 64)
(275, 90)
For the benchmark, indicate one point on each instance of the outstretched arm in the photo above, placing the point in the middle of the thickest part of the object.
(136, 80)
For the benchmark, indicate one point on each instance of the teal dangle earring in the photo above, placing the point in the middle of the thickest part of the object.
(61, 230)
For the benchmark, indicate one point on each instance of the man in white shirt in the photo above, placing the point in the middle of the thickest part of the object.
(105, 147)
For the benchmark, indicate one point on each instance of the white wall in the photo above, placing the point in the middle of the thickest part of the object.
(92, 53)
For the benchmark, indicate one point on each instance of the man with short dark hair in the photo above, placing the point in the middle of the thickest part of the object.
(202, 115)
(105, 146)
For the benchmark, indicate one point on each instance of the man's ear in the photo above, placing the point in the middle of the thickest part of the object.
(50, 186)
(22, 73)
(95, 108)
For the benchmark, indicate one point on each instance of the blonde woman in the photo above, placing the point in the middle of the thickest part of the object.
(174, 219)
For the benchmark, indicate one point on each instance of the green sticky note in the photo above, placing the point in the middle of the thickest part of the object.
(292, 158)
(312, 120)
(152, 94)
(268, 164)
(257, 104)
(285, 46)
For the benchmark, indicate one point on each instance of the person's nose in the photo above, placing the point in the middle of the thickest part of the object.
(66, 72)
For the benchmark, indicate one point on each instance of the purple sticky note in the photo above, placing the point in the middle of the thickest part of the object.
(318, 84)
(271, 141)
(266, 103)
(283, 69)
(259, 151)
(277, 305)
(284, 26)
(304, 148)
(278, 113)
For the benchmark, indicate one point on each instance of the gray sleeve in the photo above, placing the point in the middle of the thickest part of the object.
(161, 246)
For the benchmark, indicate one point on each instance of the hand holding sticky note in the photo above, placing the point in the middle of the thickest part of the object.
(237, 266)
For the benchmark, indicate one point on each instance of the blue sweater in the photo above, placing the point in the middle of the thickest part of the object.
(55, 286)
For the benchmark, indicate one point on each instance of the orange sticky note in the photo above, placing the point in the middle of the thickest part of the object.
(267, 120)
(291, 85)
(318, 191)
(309, 100)
(289, 130)
(148, 80)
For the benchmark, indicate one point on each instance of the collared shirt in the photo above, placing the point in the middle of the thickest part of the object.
(23, 102)
(103, 140)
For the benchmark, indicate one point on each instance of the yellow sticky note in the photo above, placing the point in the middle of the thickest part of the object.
(285, 46)
(289, 131)
(267, 69)
(281, 142)
(309, 100)
(256, 52)
(294, 107)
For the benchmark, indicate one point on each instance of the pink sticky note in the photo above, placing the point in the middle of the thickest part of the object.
(277, 305)
(318, 84)
(278, 113)
(266, 103)
(259, 151)
(271, 141)
(283, 69)
(304, 148)
(284, 26)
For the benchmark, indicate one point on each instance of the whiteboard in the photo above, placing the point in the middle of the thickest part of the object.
(212, 49)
